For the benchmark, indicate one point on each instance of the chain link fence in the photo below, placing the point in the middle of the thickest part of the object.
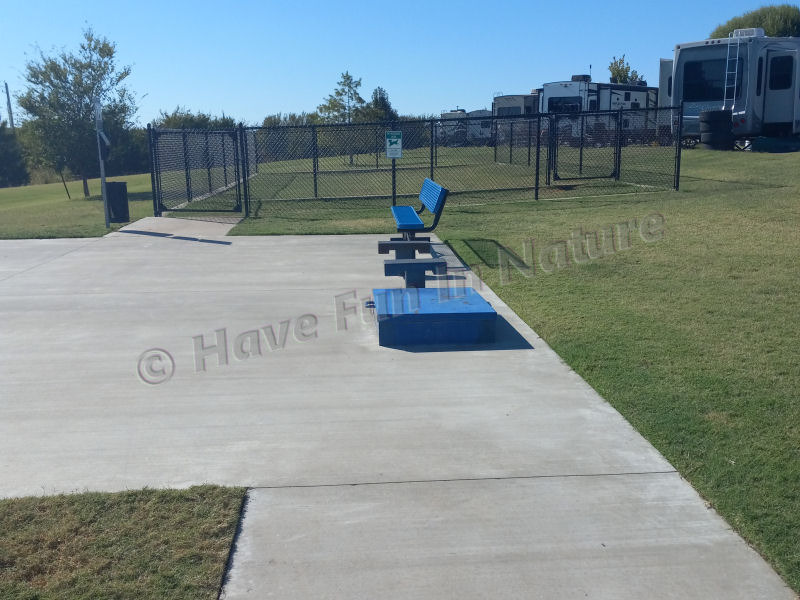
(341, 171)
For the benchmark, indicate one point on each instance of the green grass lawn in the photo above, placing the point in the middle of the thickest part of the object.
(150, 544)
(43, 211)
(694, 338)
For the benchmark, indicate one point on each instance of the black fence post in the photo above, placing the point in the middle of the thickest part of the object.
(186, 167)
(151, 147)
(618, 147)
(208, 162)
(237, 167)
(580, 152)
(245, 168)
(538, 149)
(433, 142)
(678, 146)
(224, 160)
(314, 158)
(377, 149)
(552, 125)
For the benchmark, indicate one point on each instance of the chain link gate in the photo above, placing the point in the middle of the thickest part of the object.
(198, 170)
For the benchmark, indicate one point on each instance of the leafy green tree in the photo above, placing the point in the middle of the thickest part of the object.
(378, 109)
(345, 102)
(777, 21)
(280, 119)
(621, 71)
(12, 164)
(183, 118)
(60, 98)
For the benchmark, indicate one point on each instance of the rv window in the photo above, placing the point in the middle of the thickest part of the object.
(627, 96)
(635, 105)
(669, 86)
(592, 104)
(507, 111)
(760, 77)
(564, 104)
(780, 72)
(704, 80)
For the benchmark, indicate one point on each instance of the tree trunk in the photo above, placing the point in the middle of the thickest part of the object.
(85, 186)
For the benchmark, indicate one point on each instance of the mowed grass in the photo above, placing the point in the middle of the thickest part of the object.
(694, 338)
(43, 211)
(149, 545)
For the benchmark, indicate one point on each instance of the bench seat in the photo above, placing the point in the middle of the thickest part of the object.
(407, 218)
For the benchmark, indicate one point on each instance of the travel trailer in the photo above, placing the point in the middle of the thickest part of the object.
(516, 105)
(581, 94)
(459, 127)
(755, 76)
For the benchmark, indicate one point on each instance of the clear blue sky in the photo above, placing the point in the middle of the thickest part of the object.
(250, 59)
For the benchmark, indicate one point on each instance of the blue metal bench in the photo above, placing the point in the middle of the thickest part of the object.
(407, 218)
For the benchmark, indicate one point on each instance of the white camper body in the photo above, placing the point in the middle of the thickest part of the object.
(582, 95)
(755, 76)
(586, 96)
(459, 127)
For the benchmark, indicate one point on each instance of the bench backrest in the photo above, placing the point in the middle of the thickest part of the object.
(432, 196)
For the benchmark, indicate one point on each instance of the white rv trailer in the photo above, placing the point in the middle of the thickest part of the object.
(582, 95)
(459, 127)
(755, 76)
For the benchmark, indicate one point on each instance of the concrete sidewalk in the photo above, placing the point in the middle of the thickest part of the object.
(168, 355)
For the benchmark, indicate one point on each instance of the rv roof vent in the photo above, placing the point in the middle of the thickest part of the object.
(586, 78)
(750, 32)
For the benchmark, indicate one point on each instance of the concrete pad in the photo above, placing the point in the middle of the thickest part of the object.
(189, 357)
(629, 536)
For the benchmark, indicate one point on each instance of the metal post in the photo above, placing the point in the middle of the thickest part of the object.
(224, 159)
(678, 147)
(186, 167)
(580, 154)
(538, 148)
(245, 168)
(551, 142)
(433, 142)
(618, 149)
(237, 169)
(394, 182)
(208, 161)
(314, 157)
(377, 149)
(156, 212)
(98, 120)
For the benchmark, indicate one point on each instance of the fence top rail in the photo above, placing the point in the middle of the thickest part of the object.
(192, 130)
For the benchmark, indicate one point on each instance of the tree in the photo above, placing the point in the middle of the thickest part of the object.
(777, 21)
(12, 165)
(621, 71)
(60, 99)
(280, 119)
(344, 103)
(183, 118)
(379, 109)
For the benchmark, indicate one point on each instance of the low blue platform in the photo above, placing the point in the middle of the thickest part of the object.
(412, 316)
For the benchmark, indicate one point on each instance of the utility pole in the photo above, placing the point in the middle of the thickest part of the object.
(8, 104)
(102, 143)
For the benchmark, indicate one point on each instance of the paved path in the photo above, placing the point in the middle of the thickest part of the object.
(495, 472)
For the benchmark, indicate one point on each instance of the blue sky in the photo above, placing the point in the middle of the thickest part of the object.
(250, 59)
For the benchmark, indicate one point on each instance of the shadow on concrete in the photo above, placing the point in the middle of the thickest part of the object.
(505, 338)
(174, 237)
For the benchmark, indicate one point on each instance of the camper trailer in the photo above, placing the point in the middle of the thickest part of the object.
(460, 128)
(755, 76)
(582, 95)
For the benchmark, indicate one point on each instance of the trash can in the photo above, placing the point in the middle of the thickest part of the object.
(117, 192)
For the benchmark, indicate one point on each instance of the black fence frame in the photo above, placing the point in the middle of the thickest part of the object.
(534, 134)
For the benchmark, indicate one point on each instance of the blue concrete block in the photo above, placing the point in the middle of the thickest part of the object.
(426, 316)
